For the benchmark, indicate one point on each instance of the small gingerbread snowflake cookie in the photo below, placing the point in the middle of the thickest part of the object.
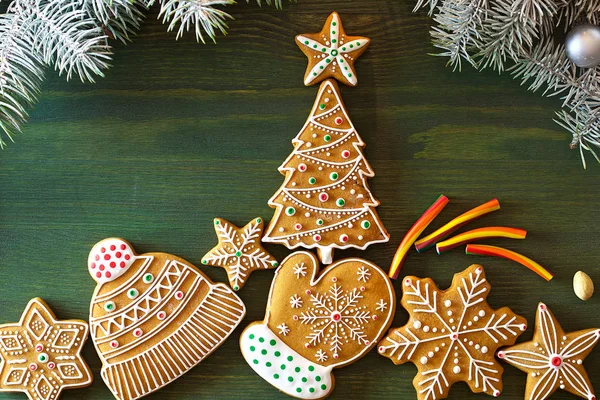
(452, 335)
(317, 322)
(553, 359)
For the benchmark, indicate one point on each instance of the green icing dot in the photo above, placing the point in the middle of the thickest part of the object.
(297, 369)
(322, 106)
(252, 348)
(334, 23)
(312, 180)
(255, 361)
(318, 379)
(204, 261)
(365, 224)
(315, 46)
(333, 32)
(312, 390)
(333, 41)
(322, 67)
(314, 74)
(238, 253)
(290, 211)
(251, 336)
(349, 75)
(320, 221)
(273, 342)
(290, 379)
(351, 46)
(311, 368)
(290, 358)
(217, 222)
(357, 44)
(276, 376)
(340, 202)
(306, 42)
(282, 366)
(334, 176)
(261, 339)
(327, 138)
(277, 354)
(236, 288)
(304, 379)
(327, 60)
(341, 61)
(298, 390)
(268, 364)
(274, 263)
(323, 387)
(258, 220)
(323, 49)
(344, 48)
(263, 352)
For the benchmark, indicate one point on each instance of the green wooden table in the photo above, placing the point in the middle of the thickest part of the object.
(178, 133)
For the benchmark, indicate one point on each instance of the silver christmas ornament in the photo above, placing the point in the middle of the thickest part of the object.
(583, 45)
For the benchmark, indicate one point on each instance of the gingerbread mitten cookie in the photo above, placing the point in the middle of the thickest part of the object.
(553, 359)
(316, 322)
(154, 316)
(41, 356)
(452, 335)
(325, 201)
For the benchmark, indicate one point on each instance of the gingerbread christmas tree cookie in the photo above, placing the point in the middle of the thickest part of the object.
(153, 317)
(41, 356)
(553, 359)
(325, 202)
(331, 53)
(452, 335)
(316, 322)
(239, 251)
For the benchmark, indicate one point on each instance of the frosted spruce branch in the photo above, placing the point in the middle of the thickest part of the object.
(518, 35)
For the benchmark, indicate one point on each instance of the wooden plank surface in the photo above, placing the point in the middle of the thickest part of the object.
(178, 133)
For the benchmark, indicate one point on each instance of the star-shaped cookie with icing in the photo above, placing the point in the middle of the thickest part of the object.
(239, 251)
(553, 359)
(40, 356)
(331, 53)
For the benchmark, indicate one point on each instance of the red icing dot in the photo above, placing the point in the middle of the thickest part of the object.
(108, 274)
(123, 247)
(556, 361)
(323, 196)
(336, 355)
(500, 354)
(32, 367)
(336, 316)
(118, 254)
(39, 347)
(161, 315)
(179, 295)
(98, 274)
(334, 279)
(295, 318)
(107, 257)
(345, 154)
(338, 121)
(51, 365)
(374, 317)
(367, 342)
(598, 332)
(454, 336)
(407, 281)
(298, 227)
(308, 292)
(122, 265)
(113, 264)
(381, 349)
(362, 288)
(103, 250)
(93, 265)
(101, 268)
(307, 345)
(343, 238)
(317, 238)
(127, 256)
(97, 257)
(542, 307)
(137, 332)
(114, 344)
(113, 247)
(496, 393)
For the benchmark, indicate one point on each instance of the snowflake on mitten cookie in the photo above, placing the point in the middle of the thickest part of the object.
(452, 335)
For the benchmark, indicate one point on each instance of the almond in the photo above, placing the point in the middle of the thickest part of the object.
(583, 285)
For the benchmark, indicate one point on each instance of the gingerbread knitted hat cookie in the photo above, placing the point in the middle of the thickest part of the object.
(41, 356)
(553, 359)
(153, 317)
(452, 335)
(316, 322)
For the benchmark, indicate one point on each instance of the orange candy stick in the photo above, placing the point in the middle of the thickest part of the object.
(446, 230)
(478, 234)
(413, 234)
(483, 250)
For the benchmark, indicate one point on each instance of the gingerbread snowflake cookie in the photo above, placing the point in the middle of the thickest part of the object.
(239, 251)
(553, 359)
(331, 53)
(452, 335)
(41, 356)
(153, 317)
(316, 322)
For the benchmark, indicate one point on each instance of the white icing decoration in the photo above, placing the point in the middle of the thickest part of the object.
(267, 373)
(381, 305)
(417, 324)
(283, 329)
(117, 252)
(456, 369)
(447, 303)
(363, 273)
(424, 360)
(295, 301)
(299, 270)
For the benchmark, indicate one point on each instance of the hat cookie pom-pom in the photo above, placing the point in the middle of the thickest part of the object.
(109, 259)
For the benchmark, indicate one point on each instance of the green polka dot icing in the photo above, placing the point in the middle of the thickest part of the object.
(320, 222)
(290, 211)
(283, 367)
(365, 224)
(312, 180)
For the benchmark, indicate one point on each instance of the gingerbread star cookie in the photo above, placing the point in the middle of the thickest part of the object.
(239, 251)
(452, 335)
(553, 359)
(331, 53)
(40, 356)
